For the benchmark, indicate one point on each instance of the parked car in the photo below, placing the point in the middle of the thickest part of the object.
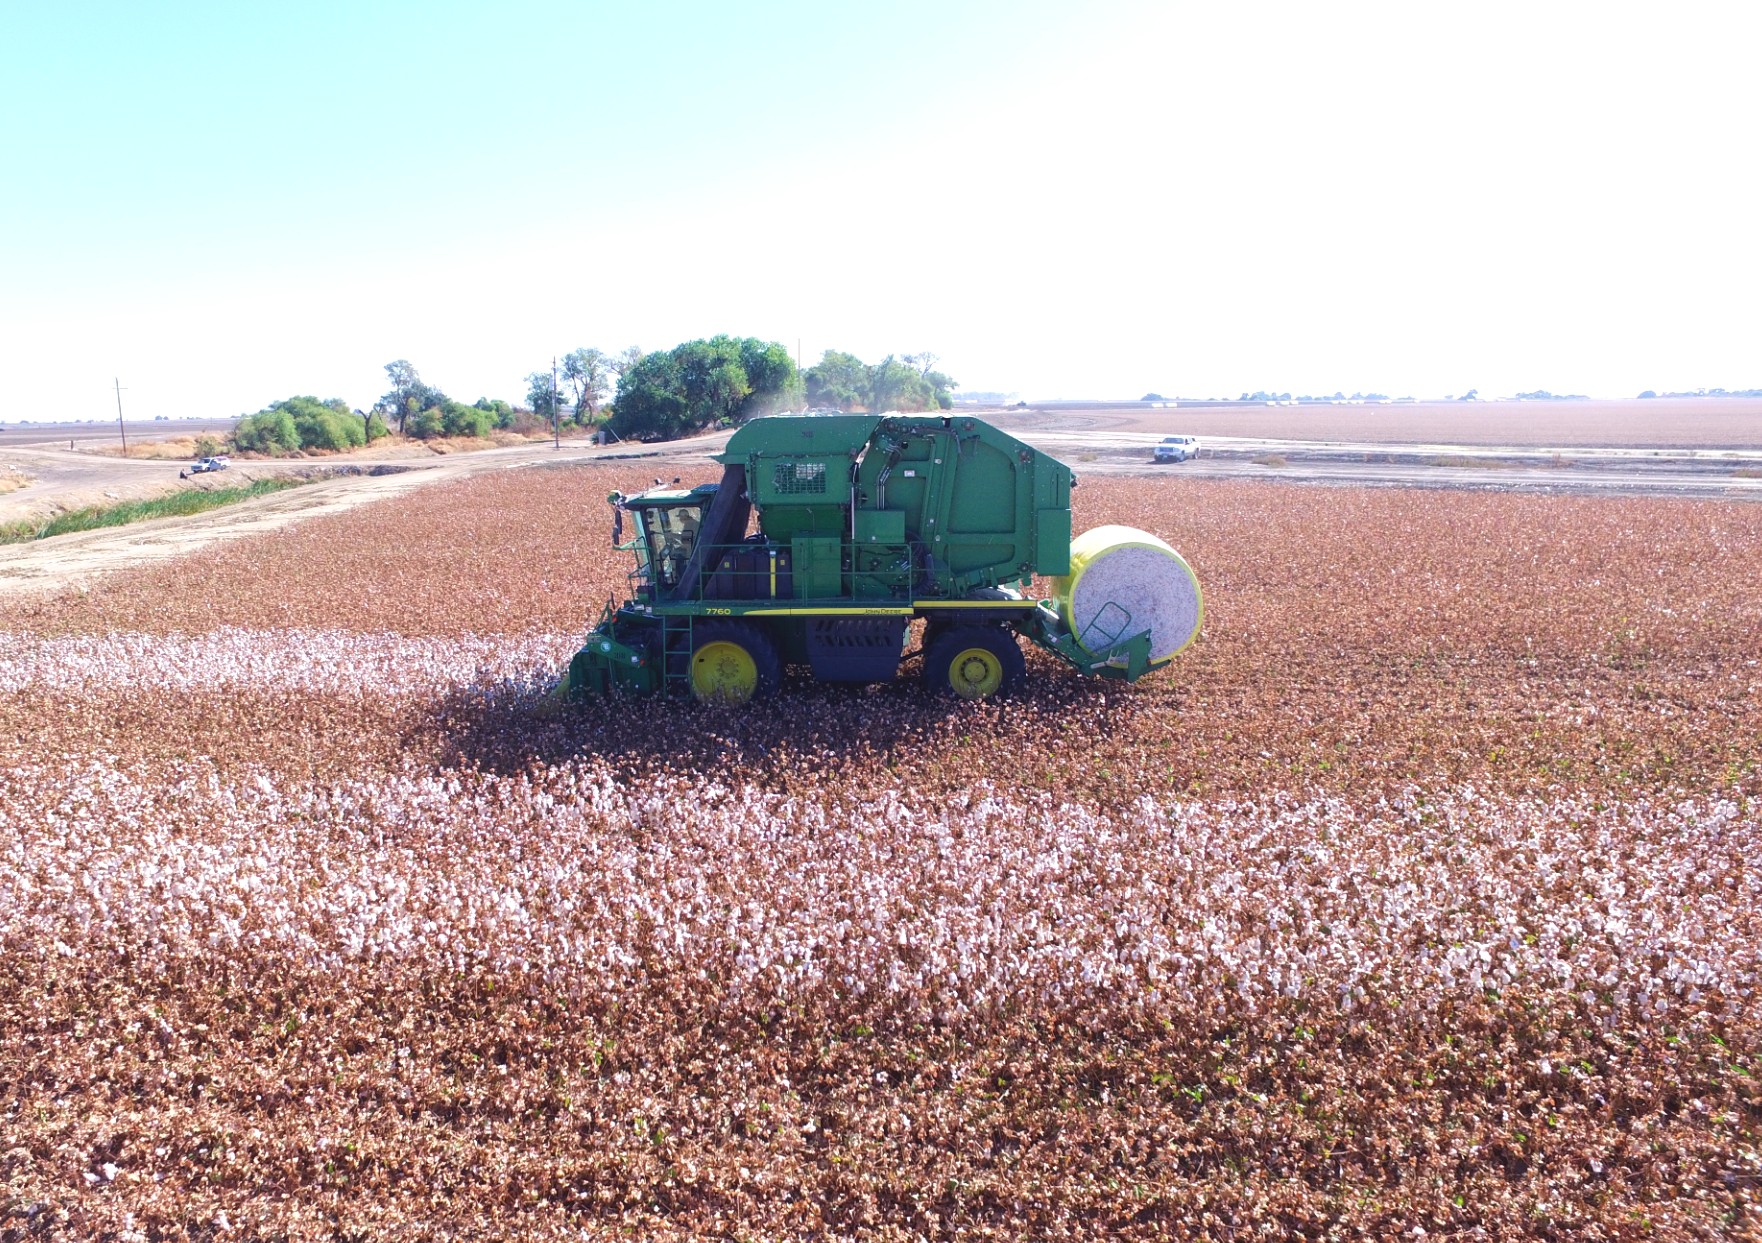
(204, 465)
(1177, 449)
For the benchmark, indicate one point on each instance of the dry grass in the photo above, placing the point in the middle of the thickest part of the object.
(170, 449)
(1419, 893)
(1462, 461)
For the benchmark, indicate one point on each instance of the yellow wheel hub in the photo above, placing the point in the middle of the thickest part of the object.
(975, 673)
(725, 671)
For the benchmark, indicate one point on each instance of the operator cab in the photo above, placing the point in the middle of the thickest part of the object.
(667, 523)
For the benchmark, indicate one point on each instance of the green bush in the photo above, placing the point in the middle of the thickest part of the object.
(178, 504)
(451, 418)
(322, 428)
(301, 423)
(428, 424)
(844, 382)
(463, 420)
(268, 431)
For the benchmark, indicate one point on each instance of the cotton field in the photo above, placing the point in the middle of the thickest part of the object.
(1418, 897)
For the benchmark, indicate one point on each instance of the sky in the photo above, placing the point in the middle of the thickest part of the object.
(221, 205)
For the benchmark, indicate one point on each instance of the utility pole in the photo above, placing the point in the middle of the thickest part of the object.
(119, 426)
(556, 414)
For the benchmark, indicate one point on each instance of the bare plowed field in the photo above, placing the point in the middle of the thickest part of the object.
(1418, 896)
(1654, 423)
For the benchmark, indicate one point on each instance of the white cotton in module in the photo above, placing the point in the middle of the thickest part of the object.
(1124, 581)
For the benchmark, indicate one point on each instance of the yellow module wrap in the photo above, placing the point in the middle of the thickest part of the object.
(1124, 581)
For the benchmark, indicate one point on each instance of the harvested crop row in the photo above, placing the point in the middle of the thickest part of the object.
(1349, 722)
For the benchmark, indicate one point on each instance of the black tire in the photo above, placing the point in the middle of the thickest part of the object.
(973, 662)
(715, 671)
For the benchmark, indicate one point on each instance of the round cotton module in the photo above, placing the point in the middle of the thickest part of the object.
(1124, 581)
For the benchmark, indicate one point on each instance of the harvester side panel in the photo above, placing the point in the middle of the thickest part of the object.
(971, 497)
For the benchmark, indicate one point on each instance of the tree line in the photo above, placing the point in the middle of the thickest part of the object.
(661, 395)
(844, 382)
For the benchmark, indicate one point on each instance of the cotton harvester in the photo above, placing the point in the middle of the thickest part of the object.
(829, 534)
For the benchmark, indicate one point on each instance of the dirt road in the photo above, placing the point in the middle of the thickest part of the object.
(69, 560)
(1712, 473)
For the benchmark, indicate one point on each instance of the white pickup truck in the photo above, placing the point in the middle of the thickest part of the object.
(204, 465)
(1177, 449)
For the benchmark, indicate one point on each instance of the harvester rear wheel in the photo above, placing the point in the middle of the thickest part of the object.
(732, 662)
(973, 662)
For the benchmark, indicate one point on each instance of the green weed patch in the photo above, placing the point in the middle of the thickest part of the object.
(176, 505)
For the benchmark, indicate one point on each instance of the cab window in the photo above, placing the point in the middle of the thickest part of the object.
(671, 532)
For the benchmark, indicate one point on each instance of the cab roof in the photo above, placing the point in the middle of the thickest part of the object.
(671, 496)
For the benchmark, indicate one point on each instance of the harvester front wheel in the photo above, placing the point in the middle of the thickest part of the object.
(973, 662)
(732, 662)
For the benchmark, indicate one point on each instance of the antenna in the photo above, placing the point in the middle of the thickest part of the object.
(119, 426)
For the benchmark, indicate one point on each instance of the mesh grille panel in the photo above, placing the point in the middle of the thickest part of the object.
(796, 478)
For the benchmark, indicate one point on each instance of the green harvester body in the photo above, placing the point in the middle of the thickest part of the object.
(863, 523)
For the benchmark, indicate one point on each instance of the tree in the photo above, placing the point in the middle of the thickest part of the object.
(651, 401)
(895, 386)
(372, 424)
(402, 375)
(941, 389)
(428, 424)
(671, 393)
(405, 381)
(771, 377)
(268, 431)
(585, 382)
(409, 394)
(301, 423)
(941, 394)
(714, 381)
(844, 382)
(459, 419)
(624, 360)
(838, 381)
(544, 395)
(498, 410)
